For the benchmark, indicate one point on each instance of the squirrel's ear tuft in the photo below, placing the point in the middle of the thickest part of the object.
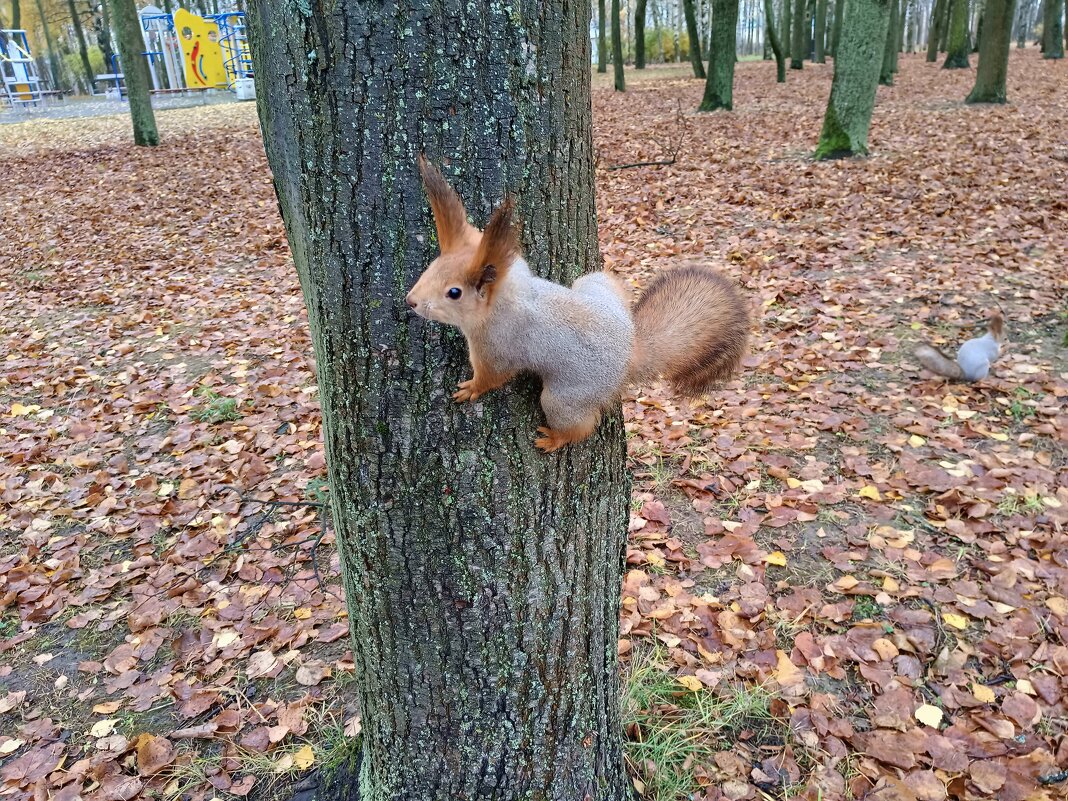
(449, 214)
(497, 250)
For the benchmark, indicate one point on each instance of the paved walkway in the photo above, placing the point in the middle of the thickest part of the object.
(97, 106)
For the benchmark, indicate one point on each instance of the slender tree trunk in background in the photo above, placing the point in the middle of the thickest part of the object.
(657, 31)
(839, 11)
(639, 34)
(696, 59)
(1053, 29)
(821, 31)
(773, 39)
(79, 36)
(1021, 25)
(994, 48)
(800, 36)
(886, 73)
(978, 32)
(787, 25)
(943, 30)
(135, 71)
(103, 35)
(617, 49)
(899, 35)
(719, 88)
(16, 15)
(53, 56)
(957, 49)
(856, 78)
(602, 38)
(938, 13)
(482, 578)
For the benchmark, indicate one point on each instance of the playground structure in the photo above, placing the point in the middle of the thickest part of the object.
(189, 52)
(22, 84)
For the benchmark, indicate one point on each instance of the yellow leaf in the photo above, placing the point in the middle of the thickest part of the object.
(871, 492)
(305, 757)
(999, 436)
(776, 558)
(983, 694)
(11, 746)
(102, 728)
(691, 683)
(792, 483)
(916, 441)
(929, 715)
(955, 620)
(302, 612)
(655, 559)
(18, 410)
(786, 672)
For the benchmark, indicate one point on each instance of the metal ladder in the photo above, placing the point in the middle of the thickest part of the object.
(22, 85)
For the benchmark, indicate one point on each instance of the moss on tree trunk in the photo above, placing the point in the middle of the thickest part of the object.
(719, 87)
(994, 46)
(617, 49)
(482, 577)
(639, 34)
(799, 36)
(135, 71)
(772, 38)
(694, 37)
(856, 78)
(957, 45)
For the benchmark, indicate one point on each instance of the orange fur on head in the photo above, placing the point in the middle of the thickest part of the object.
(996, 326)
(449, 214)
(496, 251)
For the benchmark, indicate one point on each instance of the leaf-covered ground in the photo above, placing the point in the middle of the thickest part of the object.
(846, 579)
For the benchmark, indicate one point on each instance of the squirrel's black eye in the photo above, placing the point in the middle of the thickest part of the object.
(454, 293)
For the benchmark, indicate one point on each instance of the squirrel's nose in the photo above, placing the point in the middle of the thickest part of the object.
(411, 303)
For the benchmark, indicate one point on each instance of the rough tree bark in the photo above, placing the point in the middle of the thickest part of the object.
(79, 35)
(821, 32)
(617, 49)
(934, 31)
(482, 578)
(1053, 29)
(856, 79)
(772, 37)
(994, 49)
(696, 57)
(135, 71)
(957, 44)
(886, 74)
(800, 35)
(602, 38)
(639, 34)
(719, 88)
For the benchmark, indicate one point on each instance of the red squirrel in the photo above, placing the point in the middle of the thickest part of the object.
(974, 357)
(690, 325)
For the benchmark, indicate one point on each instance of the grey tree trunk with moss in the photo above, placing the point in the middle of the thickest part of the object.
(839, 12)
(856, 79)
(1053, 29)
(934, 30)
(79, 35)
(719, 87)
(994, 46)
(696, 58)
(957, 44)
(799, 35)
(639, 34)
(772, 37)
(821, 32)
(135, 71)
(617, 49)
(602, 38)
(482, 577)
(886, 74)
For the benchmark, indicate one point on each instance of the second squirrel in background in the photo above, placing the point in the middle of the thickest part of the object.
(690, 326)
(974, 357)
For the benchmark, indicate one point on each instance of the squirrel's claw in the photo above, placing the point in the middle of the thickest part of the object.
(550, 442)
(466, 392)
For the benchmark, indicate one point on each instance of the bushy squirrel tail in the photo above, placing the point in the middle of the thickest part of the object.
(691, 328)
(938, 362)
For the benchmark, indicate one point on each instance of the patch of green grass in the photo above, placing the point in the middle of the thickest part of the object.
(670, 729)
(317, 491)
(216, 409)
(865, 608)
(9, 625)
(1019, 408)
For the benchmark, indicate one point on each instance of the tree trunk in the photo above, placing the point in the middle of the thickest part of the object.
(482, 578)
(719, 88)
(957, 46)
(886, 74)
(617, 49)
(639, 35)
(788, 27)
(79, 36)
(821, 32)
(602, 38)
(16, 15)
(103, 35)
(53, 55)
(773, 39)
(856, 78)
(135, 71)
(1053, 29)
(1021, 25)
(696, 57)
(899, 35)
(994, 53)
(800, 36)
(839, 12)
(938, 14)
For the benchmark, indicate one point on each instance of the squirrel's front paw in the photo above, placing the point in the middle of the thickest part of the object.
(466, 391)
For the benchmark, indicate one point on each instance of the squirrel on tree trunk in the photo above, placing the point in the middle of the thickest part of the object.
(974, 357)
(690, 326)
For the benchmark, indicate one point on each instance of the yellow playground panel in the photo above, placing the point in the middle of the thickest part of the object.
(202, 55)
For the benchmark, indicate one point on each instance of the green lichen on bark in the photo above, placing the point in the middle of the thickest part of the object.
(957, 45)
(994, 46)
(135, 71)
(719, 87)
(856, 77)
(482, 577)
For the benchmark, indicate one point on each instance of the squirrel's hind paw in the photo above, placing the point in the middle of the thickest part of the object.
(553, 440)
(466, 392)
